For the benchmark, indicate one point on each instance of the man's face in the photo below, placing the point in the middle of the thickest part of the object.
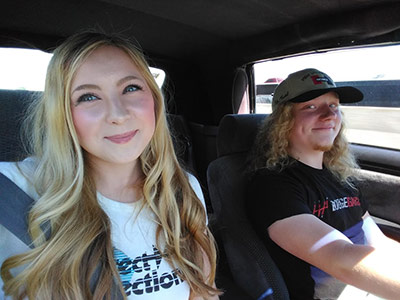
(316, 124)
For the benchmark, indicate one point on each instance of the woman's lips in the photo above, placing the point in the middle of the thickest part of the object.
(324, 128)
(122, 138)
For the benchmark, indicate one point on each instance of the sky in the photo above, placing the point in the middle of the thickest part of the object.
(372, 63)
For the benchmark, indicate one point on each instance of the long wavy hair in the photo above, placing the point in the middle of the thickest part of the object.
(70, 231)
(272, 144)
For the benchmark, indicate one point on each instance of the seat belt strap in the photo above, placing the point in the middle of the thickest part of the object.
(15, 205)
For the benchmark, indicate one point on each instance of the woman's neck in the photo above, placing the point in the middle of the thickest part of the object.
(119, 182)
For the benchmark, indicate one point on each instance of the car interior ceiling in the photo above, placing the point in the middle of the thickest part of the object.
(206, 49)
(206, 40)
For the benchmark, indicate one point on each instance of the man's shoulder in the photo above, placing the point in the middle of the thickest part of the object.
(278, 172)
(291, 179)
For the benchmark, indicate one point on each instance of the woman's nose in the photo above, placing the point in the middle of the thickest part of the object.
(117, 113)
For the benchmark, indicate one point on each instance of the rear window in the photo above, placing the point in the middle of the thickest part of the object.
(374, 70)
(25, 69)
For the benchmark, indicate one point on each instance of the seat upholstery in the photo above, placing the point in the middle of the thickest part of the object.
(182, 140)
(13, 105)
(251, 266)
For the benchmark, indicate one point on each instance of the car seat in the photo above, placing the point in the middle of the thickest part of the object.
(182, 140)
(13, 106)
(251, 266)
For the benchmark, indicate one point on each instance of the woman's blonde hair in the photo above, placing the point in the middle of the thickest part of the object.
(272, 143)
(69, 230)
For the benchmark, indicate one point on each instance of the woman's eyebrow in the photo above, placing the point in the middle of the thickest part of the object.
(96, 87)
(127, 78)
(85, 86)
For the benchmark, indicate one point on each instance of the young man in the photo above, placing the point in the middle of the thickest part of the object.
(304, 201)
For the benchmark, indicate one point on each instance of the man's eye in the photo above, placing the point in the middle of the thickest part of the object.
(334, 105)
(132, 88)
(312, 106)
(87, 98)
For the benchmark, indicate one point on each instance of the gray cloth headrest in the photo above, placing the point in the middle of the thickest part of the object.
(237, 133)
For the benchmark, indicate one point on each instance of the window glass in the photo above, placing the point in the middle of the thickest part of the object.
(374, 70)
(159, 75)
(25, 69)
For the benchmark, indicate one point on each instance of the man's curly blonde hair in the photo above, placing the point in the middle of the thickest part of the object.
(272, 144)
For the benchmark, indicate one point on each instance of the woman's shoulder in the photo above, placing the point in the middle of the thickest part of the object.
(194, 183)
(20, 173)
(14, 170)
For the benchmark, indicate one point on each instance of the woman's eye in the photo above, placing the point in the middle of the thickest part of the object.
(334, 105)
(87, 98)
(311, 106)
(132, 88)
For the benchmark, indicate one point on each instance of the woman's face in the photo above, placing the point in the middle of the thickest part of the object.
(112, 107)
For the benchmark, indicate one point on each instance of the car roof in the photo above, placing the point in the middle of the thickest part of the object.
(242, 31)
(201, 44)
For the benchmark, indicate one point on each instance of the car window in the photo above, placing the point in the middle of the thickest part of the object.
(25, 69)
(374, 70)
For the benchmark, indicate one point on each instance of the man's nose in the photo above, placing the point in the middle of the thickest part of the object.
(328, 112)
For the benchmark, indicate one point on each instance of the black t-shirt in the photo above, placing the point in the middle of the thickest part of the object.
(301, 189)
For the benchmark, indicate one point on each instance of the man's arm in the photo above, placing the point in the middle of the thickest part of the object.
(375, 269)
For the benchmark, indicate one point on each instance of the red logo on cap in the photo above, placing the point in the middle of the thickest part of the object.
(317, 79)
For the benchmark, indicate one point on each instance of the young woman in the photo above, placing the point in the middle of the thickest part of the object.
(114, 214)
